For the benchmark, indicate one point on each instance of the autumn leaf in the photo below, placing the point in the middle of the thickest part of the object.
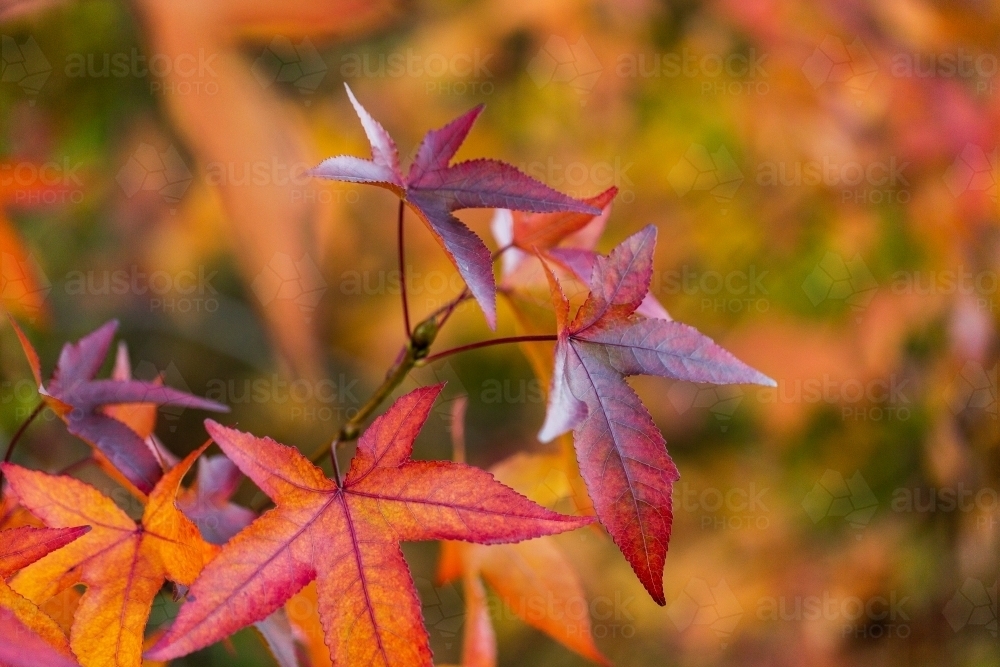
(83, 403)
(347, 537)
(20, 547)
(123, 564)
(23, 626)
(22, 647)
(207, 503)
(622, 455)
(534, 578)
(435, 189)
(140, 417)
(565, 238)
(523, 234)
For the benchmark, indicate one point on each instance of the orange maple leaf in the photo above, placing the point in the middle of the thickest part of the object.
(534, 579)
(346, 536)
(123, 564)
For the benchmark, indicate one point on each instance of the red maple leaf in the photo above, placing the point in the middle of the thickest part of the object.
(347, 537)
(622, 455)
(85, 404)
(435, 189)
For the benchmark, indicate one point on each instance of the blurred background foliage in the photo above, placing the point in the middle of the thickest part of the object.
(824, 179)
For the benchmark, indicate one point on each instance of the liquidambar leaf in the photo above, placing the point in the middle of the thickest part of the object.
(568, 239)
(347, 539)
(622, 455)
(122, 564)
(83, 403)
(435, 189)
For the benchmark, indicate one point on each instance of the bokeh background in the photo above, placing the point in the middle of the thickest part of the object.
(823, 176)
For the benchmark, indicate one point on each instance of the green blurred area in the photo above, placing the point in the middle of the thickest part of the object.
(823, 177)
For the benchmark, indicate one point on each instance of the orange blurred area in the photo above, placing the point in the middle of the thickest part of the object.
(823, 177)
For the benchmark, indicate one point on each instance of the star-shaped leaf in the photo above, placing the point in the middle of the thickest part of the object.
(123, 564)
(347, 539)
(83, 403)
(622, 455)
(567, 239)
(434, 188)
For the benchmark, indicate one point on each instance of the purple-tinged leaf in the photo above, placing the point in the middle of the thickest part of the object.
(620, 281)
(622, 455)
(439, 146)
(85, 403)
(667, 349)
(435, 189)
